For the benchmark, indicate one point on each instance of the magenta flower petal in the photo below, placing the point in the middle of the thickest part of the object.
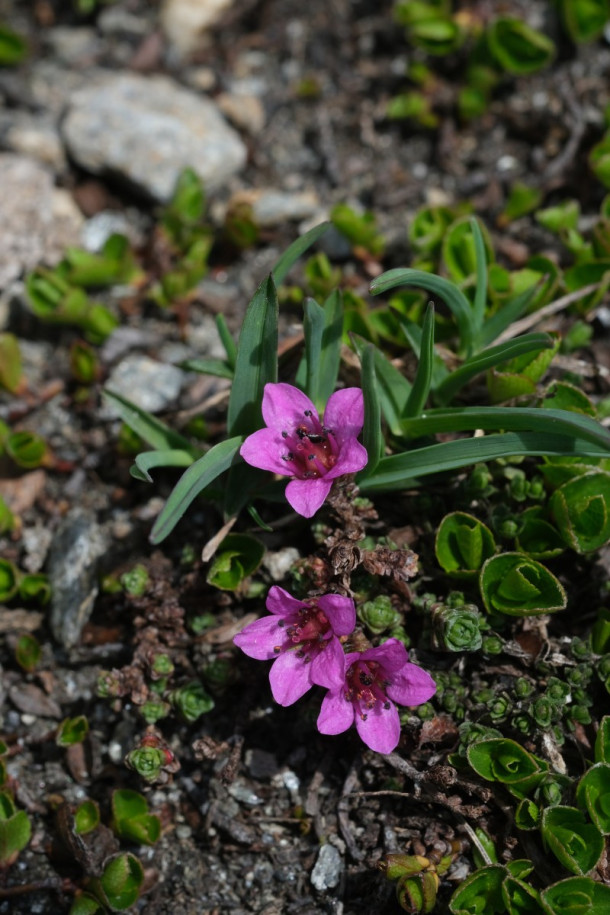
(289, 678)
(328, 667)
(380, 728)
(306, 496)
(259, 639)
(392, 655)
(284, 406)
(281, 603)
(411, 686)
(352, 458)
(340, 612)
(336, 714)
(344, 413)
(264, 449)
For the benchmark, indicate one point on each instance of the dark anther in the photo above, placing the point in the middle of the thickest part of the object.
(310, 457)
(308, 412)
(284, 434)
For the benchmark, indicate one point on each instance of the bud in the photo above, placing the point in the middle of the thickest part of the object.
(378, 614)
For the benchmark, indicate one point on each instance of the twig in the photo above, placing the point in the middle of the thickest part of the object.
(518, 327)
(342, 815)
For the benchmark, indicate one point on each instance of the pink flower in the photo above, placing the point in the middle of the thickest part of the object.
(295, 442)
(303, 639)
(371, 679)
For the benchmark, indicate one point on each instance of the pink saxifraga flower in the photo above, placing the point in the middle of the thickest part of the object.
(304, 640)
(372, 681)
(295, 443)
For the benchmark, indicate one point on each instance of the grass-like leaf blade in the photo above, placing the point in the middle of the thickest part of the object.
(227, 340)
(372, 438)
(330, 356)
(215, 367)
(487, 359)
(256, 363)
(511, 419)
(313, 329)
(509, 313)
(480, 292)
(402, 470)
(423, 377)
(453, 297)
(193, 481)
(148, 427)
(171, 457)
(392, 387)
(296, 249)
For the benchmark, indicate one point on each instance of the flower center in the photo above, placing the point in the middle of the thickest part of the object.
(366, 687)
(306, 632)
(312, 449)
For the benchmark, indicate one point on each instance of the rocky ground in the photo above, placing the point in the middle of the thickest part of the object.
(281, 105)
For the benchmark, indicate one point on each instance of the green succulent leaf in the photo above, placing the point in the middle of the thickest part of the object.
(517, 47)
(119, 885)
(517, 585)
(593, 793)
(480, 893)
(576, 844)
(237, 557)
(86, 817)
(576, 896)
(602, 741)
(462, 544)
(581, 508)
(10, 362)
(505, 761)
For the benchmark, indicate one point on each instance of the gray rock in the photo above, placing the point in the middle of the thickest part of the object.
(272, 207)
(146, 130)
(37, 220)
(326, 872)
(37, 137)
(150, 385)
(73, 563)
(184, 21)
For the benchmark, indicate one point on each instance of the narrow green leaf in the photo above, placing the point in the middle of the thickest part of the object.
(215, 367)
(511, 419)
(171, 457)
(148, 427)
(392, 387)
(453, 297)
(371, 433)
(402, 470)
(330, 357)
(227, 340)
(256, 363)
(480, 293)
(509, 313)
(296, 249)
(313, 328)
(191, 483)
(487, 359)
(423, 377)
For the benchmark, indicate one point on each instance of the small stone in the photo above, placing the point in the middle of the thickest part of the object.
(148, 384)
(77, 547)
(245, 111)
(37, 220)
(271, 207)
(146, 130)
(280, 562)
(185, 21)
(327, 869)
(38, 138)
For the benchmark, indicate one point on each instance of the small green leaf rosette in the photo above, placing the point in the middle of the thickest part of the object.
(516, 585)
(15, 830)
(502, 760)
(462, 545)
(593, 794)
(517, 47)
(480, 892)
(538, 537)
(118, 888)
(576, 844)
(576, 896)
(238, 556)
(131, 819)
(581, 508)
(602, 741)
